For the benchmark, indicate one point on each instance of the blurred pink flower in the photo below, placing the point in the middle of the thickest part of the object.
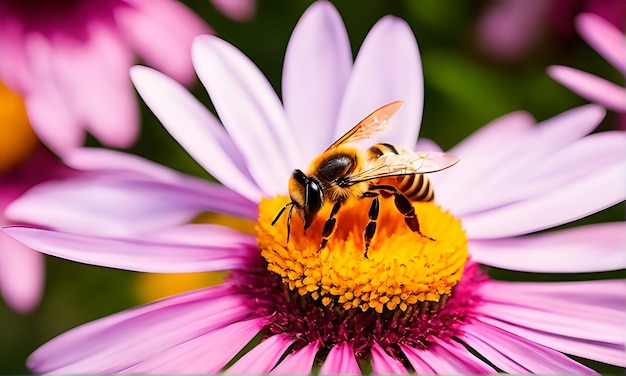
(509, 29)
(22, 269)
(610, 42)
(515, 177)
(240, 10)
(69, 60)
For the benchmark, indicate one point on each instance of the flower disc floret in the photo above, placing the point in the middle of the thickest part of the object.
(401, 269)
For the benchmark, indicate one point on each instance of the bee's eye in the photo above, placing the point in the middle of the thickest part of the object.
(313, 197)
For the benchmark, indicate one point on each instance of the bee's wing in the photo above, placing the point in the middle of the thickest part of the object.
(373, 123)
(406, 163)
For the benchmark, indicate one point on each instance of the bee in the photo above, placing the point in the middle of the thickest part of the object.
(345, 172)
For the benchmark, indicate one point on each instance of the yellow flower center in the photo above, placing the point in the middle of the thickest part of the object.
(400, 270)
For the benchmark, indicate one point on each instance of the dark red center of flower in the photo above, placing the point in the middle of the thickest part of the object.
(307, 320)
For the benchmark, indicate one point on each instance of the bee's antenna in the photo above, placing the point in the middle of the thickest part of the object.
(289, 222)
(281, 212)
(288, 217)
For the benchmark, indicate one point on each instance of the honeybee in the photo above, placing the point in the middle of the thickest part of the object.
(343, 172)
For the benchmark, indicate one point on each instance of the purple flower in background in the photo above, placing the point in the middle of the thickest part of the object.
(609, 42)
(69, 60)
(509, 29)
(412, 305)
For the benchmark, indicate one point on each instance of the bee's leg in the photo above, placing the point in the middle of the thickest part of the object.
(329, 225)
(370, 229)
(404, 207)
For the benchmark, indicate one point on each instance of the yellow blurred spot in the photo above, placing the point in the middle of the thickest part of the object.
(17, 138)
(150, 286)
(235, 223)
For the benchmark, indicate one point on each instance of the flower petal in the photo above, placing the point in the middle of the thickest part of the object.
(239, 10)
(475, 164)
(103, 102)
(564, 205)
(119, 341)
(383, 364)
(591, 87)
(48, 112)
(190, 357)
(604, 38)
(263, 357)
(446, 358)
(196, 129)
(142, 253)
(299, 362)
(586, 249)
(250, 111)
(517, 355)
(340, 361)
(317, 65)
(387, 68)
(118, 206)
(161, 32)
(21, 274)
(572, 163)
(572, 325)
(490, 180)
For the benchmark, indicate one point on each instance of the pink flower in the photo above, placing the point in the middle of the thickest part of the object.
(515, 177)
(69, 60)
(610, 42)
(509, 29)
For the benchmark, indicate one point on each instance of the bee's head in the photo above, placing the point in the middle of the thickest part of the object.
(306, 196)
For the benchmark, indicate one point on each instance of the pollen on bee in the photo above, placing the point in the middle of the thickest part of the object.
(401, 269)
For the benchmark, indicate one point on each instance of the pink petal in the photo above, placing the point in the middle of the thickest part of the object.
(263, 357)
(21, 275)
(340, 361)
(141, 253)
(99, 159)
(205, 354)
(425, 144)
(570, 164)
(584, 249)
(119, 341)
(517, 355)
(117, 206)
(104, 102)
(577, 200)
(419, 365)
(603, 352)
(250, 111)
(463, 358)
(162, 32)
(298, 362)
(48, 111)
(15, 69)
(238, 10)
(514, 152)
(316, 69)
(591, 87)
(387, 68)
(383, 364)
(447, 358)
(604, 38)
(475, 164)
(563, 316)
(196, 129)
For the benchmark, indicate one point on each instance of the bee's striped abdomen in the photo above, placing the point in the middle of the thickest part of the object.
(415, 187)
